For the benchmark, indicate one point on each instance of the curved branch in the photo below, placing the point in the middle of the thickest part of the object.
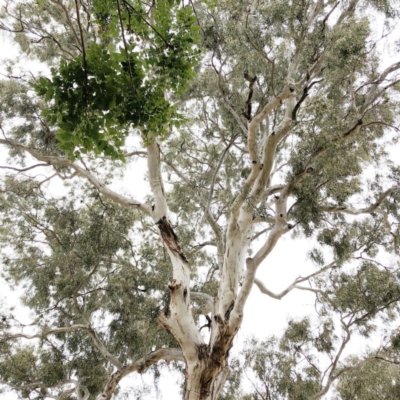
(366, 210)
(79, 388)
(139, 366)
(294, 285)
(61, 161)
(103, 350)
(24, 169)
(99, 345)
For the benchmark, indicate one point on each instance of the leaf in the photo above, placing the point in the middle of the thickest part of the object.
(49, 94)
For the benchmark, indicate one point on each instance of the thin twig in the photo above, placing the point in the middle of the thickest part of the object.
(85, 92)
(126, 47)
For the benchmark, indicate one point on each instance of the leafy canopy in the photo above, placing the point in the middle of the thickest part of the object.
(110, 88)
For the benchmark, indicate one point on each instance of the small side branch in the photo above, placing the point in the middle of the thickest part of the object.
(167, 354)
(226, 103)
(279, 296)
(334, 374)
(295, 284)
(46, 332)
(372, 94)
(205, 300)
(270, 243)
(270, 106)
(19, 170)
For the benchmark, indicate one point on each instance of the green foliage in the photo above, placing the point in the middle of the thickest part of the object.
(277, 368)
(367, 292)
(84, 270)
(357, 383)
(346, 46)
(111, 88)
(18, 105)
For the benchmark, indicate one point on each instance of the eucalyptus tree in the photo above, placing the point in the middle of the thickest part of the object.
(256, 118)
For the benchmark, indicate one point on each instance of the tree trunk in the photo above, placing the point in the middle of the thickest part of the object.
(206, 378)
(207, 364)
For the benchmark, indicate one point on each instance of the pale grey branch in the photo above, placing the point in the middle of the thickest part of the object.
(294, 284)
(139, 366)
(61, 161)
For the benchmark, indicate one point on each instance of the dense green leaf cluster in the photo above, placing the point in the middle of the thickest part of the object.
(112, 87)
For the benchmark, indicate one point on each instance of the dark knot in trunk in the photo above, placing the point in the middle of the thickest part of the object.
(170, 239)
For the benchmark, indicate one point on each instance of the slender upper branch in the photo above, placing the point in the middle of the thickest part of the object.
(333, 367)
(19, 170)
(45, 332)
(156, 181)
(234, 113)
(221, 159)
(279, 296)
(372, 94)
(103, 350)
(79, 43)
